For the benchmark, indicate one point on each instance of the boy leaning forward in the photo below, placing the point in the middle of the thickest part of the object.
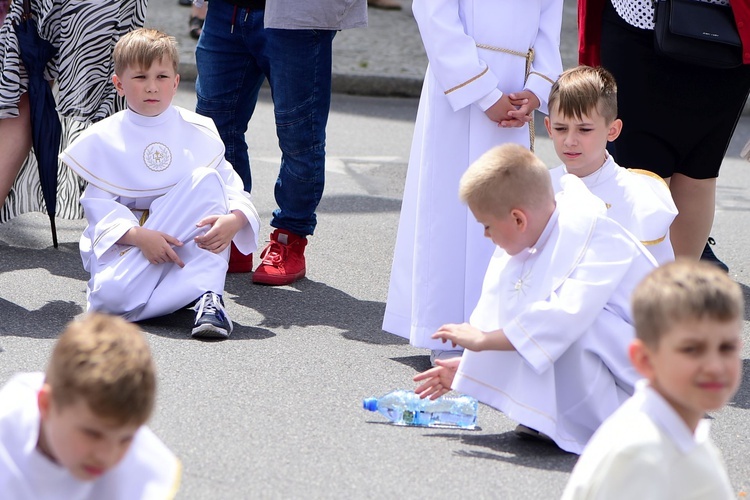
(547, 343)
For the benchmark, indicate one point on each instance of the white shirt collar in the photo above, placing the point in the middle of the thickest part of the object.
(665, 416)
(600, 175)
(150, 121)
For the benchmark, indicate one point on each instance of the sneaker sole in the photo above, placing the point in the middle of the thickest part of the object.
(209, 332)
(273, 280)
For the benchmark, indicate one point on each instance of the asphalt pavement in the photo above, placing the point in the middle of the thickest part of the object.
(276, 410)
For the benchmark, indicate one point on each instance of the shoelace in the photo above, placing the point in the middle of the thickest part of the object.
(275, 254)
(209, 303)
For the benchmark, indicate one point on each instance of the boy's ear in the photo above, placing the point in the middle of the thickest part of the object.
(640, 357)
(548, 126)
(520, 219)
(118, 85)
(614, 130)
(43, 400)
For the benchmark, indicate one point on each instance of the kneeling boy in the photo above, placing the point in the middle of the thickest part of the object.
(688, 321)
(163, 205)
(77, 431)
(547, 342)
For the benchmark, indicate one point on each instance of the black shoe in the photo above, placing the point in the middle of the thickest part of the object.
(525, 432)
(211, 320)
(195, 24)
(185, 3)
(708, 256)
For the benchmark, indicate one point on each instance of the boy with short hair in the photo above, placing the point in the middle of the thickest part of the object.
(163, 205)
(582, 120)
(547, 342)
(688, 320)
(78, 430)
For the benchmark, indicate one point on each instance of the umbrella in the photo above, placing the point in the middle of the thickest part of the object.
(45, 124)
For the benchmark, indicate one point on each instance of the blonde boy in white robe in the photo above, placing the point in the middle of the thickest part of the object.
(77, 432)
(547, 343)
(688, 321)
(582, 120)
(162, 204)
(485, 60)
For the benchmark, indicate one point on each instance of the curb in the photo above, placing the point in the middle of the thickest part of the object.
(346, 83)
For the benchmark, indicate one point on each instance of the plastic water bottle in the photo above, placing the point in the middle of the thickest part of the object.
(406, 408)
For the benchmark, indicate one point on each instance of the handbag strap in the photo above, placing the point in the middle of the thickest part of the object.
(26, 10)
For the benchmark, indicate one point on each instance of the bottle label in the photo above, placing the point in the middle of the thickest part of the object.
(409, 417)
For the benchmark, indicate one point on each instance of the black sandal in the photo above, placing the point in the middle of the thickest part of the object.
(196, 26)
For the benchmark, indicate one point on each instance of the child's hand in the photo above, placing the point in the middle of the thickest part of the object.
(155, 245)
(464, 334)
(438, 380)
(223, 229)
(524, 104)
(499, 111)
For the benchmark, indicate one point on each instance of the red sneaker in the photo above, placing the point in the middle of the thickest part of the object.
(239, 263)
(283, 259)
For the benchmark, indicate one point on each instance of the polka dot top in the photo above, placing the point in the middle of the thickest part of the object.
(640, 13)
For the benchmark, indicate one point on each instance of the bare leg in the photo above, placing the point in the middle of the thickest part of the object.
(695, 200)
(15, 143)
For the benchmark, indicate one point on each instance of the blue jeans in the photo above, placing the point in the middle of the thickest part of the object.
(235, 54)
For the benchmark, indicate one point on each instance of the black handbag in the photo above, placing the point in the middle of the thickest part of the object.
(697, 33)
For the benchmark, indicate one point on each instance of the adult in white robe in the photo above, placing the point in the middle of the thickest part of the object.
(441, 254)
(645, 450)
(148, 471)
(165, 173)
(639, 200)
(564, 304)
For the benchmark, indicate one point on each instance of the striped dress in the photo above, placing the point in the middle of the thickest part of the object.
(84, 33)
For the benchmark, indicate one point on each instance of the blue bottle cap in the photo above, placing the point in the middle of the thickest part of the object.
(370, 404)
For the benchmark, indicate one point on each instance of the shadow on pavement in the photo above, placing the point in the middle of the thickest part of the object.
(64, 261)
(48, 321)
(509, 448)
(318, 305)
(178, 325)
(419, 363)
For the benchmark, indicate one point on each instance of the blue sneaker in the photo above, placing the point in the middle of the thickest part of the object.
(211, 320)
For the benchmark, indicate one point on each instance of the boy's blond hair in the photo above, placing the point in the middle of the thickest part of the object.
(142, 47)
(683, 291)
(583, 89)
(506, 177)
(105, 361)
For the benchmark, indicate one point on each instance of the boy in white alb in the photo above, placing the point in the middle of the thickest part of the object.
(688, 321)
(486, 59)
(77, 432)
(163, 205)
(547, 342)
(582, 119)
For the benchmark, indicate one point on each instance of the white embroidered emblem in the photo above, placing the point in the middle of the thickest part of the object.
(157, 156)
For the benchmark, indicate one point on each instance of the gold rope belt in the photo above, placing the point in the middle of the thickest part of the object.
(144, 215)
(529, 56)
